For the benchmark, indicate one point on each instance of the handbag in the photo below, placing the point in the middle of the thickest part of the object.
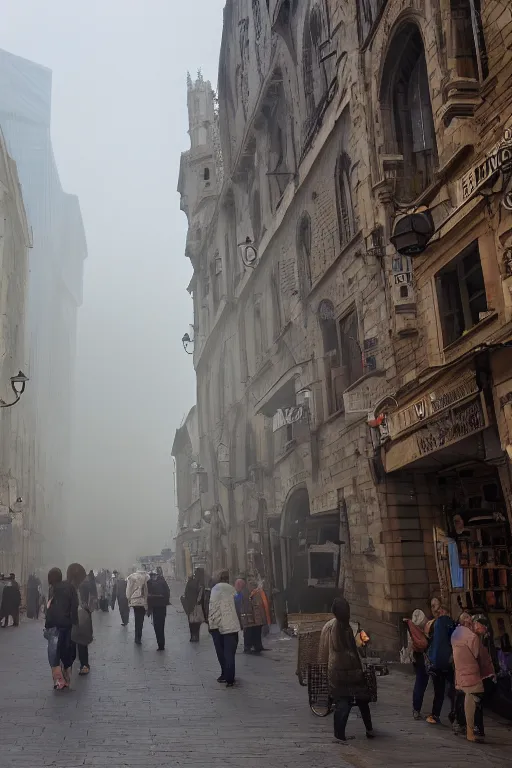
(370, 679)
(81, 633)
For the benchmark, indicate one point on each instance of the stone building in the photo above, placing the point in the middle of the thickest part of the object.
(315, 339)
(54, 294)
(17, 422)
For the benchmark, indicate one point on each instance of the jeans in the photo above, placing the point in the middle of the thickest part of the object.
(420, 686)
(252, 639)
(225, 646)
(440, 679)
(139, 612)
(60, 647)
(159, 615)
(342, 712)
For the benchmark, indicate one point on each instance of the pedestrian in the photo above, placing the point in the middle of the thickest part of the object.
(346, 679)
(82, 632)
(193, 602)
(158, 600)
(467, 651)
(61, 616)
(255, 614)
(418, 644)
(224, 625)
(137, 596)
(93, 591)
(33, 596)
(119, 594)
(11, 601)
(438, 662)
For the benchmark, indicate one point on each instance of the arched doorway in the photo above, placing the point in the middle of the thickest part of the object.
(310, 556)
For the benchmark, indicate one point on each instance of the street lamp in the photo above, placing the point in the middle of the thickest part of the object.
(186, 340)
(18, 384)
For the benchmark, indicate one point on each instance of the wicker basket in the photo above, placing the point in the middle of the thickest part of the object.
(307, 655)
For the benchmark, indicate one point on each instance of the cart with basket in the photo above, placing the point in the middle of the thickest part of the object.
(313, 674)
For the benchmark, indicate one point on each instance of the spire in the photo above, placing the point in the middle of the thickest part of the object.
(189, 82)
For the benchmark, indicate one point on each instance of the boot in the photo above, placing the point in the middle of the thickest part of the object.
(472, 736)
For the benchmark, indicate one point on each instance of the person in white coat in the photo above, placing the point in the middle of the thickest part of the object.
(224, 625)
(137, 596)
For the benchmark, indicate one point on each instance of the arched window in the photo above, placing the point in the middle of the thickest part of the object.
(407, 113)
(312, 71)
(304, 254)
(256, 15)
(344, 200)
(256, 215)
(467, 39)
(206, 174)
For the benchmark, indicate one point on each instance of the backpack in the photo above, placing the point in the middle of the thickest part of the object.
(419, 640)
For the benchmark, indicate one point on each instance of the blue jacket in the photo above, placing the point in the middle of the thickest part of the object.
(440, 648)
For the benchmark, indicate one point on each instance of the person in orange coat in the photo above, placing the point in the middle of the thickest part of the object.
(258, 616)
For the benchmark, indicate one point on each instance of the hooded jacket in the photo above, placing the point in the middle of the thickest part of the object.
(222, 611)
(137, 589)
(158, 593)
(466, 651)
(63, 610)
(339, 651)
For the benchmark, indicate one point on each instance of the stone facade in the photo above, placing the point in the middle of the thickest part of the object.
(311, 330)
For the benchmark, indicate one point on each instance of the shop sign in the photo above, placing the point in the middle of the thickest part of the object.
(432, 403)
(500, 157)
(440, 432)
(286, 416)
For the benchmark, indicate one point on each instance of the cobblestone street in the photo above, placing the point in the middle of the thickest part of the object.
(143, 708)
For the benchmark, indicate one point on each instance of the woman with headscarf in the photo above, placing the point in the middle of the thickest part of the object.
(418, 644)
(193, 603)
(347, 684)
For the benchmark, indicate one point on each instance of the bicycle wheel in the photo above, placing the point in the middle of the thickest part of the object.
(320, 702)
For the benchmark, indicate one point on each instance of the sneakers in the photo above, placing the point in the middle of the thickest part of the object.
(416, 714)
(221, 679)
(433, 720)
(84, 670)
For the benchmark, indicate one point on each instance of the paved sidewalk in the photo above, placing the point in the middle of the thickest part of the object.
(142, 708)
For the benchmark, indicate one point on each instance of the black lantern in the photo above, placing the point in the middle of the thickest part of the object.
(186, 340)
(412, 233)
(18, 384)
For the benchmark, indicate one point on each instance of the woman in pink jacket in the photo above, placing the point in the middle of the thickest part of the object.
(469, 658)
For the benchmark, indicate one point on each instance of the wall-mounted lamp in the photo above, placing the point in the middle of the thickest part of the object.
(412, 233)
(18, 384)
(249, 253)
(186, 340)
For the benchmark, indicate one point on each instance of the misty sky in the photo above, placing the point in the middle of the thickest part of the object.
(119, 124)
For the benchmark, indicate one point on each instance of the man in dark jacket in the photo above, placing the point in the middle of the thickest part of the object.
(158, 600)
(119, 594)
(11, 601)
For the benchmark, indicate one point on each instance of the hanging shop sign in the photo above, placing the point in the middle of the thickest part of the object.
(287, 416)
(441, 431)
(431, 403)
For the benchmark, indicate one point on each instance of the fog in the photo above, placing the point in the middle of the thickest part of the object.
(119, 124)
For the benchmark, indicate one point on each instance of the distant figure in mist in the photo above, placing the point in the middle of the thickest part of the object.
(158, 599)
(137, 596)
(119, 596)
(33, 597)
(193, 602)
(11, 601)
(93, 591)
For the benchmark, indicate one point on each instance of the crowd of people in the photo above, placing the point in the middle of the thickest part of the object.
(10, 600)
(461, 660)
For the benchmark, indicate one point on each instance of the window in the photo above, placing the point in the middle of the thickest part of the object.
(312, 72)
(256, 215)
(461, 294)
(407, 114)
(276, 302)
(344, 200)
(256, 15)
(351, 354)
(260, 344)
(467, 39)
(216, 277)
(304, 254)
(206, 174)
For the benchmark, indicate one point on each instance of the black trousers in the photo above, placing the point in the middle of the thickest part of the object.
(139, 612)
(441, 680)
(342, 712)
(124, 610)
(83, 654)
(252, 639)
(195, 630)
(159, 615)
